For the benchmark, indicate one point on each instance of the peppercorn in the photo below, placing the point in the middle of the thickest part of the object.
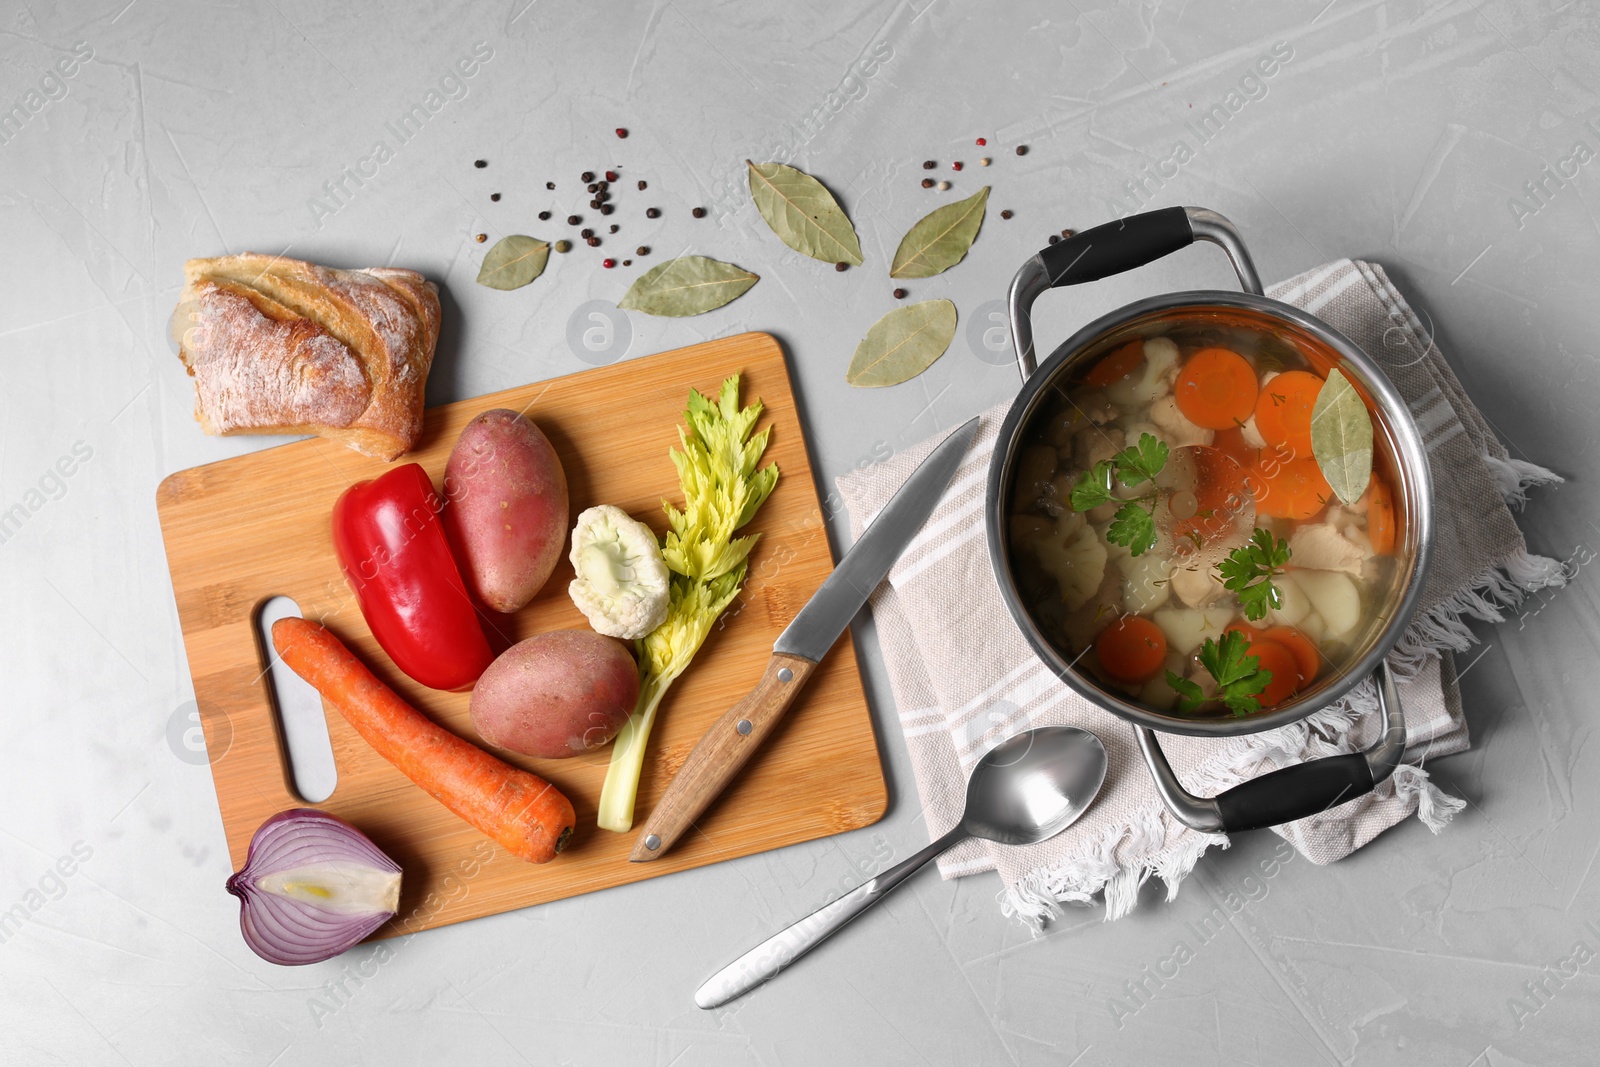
(550, 185)
(956, 165)
(586, 177)
(608, 263)
(595, 204)
(699, 212)
(1068, 233)
(1007, 213)
(573, 220)
(480, 163)
(586, 233)
(982, 141)
(615, 227)
(642, 185)
(627, 263)
(899, 294)
(928, 164)
(1022, 149)
(642, 250)
(563, 246)
(652, 213)
(482, 237)
(943, 186)
(602, 196)
(841, 266)
(592, 188)
(593, 242)
(603, 184)
(611, 175)
(622, 133)
(495, 197)
(985, 161)
(1055, 238)
(927, 183)
(544, 216)
(606, 209)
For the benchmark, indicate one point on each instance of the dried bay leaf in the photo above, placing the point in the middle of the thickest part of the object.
(941, 239)
(1341, 437)
(803, 214)
(903, 344)
(688, 285)
(514, 262)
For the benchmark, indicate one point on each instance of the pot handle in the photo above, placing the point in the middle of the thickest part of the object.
(1288, 793)
(1112, 248)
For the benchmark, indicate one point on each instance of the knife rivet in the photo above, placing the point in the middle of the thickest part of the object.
(785, 674)
(652, 842)
(743, 726)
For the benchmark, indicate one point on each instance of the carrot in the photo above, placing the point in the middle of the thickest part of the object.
(1118, 365)
(1132, 649)
(1216, 389)
(1220, 494)
(527, 815)
(1283, 410)
(1306, 657)
(1285, 672)
(1380, 516)
(1289, 489)
(1231, 442)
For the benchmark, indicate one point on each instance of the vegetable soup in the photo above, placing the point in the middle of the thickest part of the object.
(1204, 517)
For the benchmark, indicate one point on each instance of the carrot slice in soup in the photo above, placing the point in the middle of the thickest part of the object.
(1285, 672)
(1132, 649)
(1283, 410)
(1231, 442)
(1289, 489)
(1306, 657)
(1216, 389)
(1380, 517)
(1118, 365)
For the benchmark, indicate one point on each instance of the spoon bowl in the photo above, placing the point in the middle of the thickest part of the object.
(1032, 786)
(1025, 790)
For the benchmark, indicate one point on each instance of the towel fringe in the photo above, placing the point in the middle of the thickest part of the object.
(1486, 598)
(1514, 477)
(1038, 896)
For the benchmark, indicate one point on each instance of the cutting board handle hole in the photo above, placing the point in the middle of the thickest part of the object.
(302, 722)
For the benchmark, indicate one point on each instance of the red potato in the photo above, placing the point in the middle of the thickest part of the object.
(559, 694)
(508, 514)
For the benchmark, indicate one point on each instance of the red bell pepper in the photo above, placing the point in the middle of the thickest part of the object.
(392, 546)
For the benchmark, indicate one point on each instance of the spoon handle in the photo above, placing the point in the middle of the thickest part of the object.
(789, 944)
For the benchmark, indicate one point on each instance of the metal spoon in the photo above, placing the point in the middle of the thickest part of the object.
(1024, 790)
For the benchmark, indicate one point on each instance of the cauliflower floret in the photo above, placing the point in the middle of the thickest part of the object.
(1323, 548)
(1197, 587)
(1146, 579)
(1177, 430)
(1151, 379)
(622, 581)
(1073, 554)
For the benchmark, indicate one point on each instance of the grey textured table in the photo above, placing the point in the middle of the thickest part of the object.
(1449, 141)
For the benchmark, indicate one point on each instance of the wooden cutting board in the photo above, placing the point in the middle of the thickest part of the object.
(243, 530)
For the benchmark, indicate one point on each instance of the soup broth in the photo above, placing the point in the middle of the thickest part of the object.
(1165, 495)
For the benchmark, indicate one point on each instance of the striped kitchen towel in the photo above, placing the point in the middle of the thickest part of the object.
(964, 677)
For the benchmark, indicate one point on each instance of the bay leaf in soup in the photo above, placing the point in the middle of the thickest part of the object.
(1341, 437)
(513, 262)
(941, 239)
(688, 285)
(903, 344)
(803, 214)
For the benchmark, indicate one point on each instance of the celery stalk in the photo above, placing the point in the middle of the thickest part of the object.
(722, 488)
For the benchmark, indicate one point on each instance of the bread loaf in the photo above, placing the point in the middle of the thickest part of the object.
(286, 347)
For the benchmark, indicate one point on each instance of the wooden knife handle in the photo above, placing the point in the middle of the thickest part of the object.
(720, 754)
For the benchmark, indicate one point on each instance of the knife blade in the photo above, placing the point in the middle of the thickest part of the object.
(733, 739)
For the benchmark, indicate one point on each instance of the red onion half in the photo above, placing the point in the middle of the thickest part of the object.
(312, 887)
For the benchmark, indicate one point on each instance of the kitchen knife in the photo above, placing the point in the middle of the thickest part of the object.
(728, 745)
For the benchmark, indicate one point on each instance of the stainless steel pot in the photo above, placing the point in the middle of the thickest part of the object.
(1288, 793)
